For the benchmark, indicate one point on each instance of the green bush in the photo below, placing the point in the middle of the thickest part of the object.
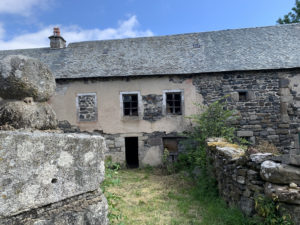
(215, 121)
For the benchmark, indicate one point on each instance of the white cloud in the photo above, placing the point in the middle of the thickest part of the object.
(21, 7)
(126, 29)
(2, 31)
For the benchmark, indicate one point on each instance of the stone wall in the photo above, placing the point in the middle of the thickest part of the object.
(51, 178)
(150, 147)
(241, 178)
(153, 107)
(270, 110)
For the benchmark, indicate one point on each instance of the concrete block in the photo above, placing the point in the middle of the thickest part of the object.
(41, 168)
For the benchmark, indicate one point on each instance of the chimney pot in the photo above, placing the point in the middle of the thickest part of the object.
(56, 31)
(57, 41)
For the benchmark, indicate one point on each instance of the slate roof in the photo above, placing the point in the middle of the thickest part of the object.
(273, 47)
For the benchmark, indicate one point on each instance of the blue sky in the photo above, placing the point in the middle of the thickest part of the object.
(28, 23)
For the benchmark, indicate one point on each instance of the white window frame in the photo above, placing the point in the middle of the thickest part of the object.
(140, 104)
(78, 108)
(165, 102)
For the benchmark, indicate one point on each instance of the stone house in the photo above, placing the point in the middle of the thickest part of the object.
(137, 92)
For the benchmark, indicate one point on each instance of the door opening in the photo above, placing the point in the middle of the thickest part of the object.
(132, 152)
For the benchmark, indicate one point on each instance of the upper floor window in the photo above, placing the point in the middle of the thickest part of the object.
(173, 101)
(243, 96)
(130, 104)
(86, 104)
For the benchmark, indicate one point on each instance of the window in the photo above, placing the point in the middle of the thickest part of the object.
(173, 145)
(243, 96)
(130, 104)
(86, 105)
(173, 101)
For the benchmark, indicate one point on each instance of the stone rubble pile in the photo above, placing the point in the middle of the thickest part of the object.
(47, 178)
(241, 177)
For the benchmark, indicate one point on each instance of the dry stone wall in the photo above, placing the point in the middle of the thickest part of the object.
(242, 178)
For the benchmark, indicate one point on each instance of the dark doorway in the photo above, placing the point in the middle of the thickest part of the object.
(132, 152)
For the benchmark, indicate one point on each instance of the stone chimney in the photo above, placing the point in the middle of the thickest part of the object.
(57, 41)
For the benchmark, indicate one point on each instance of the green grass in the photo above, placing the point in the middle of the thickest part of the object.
(144, 196)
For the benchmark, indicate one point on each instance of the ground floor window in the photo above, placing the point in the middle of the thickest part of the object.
(171, 144)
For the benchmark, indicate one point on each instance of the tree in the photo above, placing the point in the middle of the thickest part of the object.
(291, 17)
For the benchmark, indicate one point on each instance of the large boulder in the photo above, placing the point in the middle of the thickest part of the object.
(35, 115)
(278, 173)
(22, 76)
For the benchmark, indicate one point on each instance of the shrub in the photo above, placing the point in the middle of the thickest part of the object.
(215, 121)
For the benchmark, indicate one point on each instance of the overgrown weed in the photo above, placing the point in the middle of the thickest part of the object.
(112, 179)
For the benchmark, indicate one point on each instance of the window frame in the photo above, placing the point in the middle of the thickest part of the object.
(165, 105)
(243, 96)
(139, 104)
(78, 107)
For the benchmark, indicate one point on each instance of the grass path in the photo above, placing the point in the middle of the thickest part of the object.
(148, 197)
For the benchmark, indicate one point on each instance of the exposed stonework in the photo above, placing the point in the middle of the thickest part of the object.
(150, 147)
(87, 107)
(152, 107)
(264, 114)
(242, 178)
(66, 127)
